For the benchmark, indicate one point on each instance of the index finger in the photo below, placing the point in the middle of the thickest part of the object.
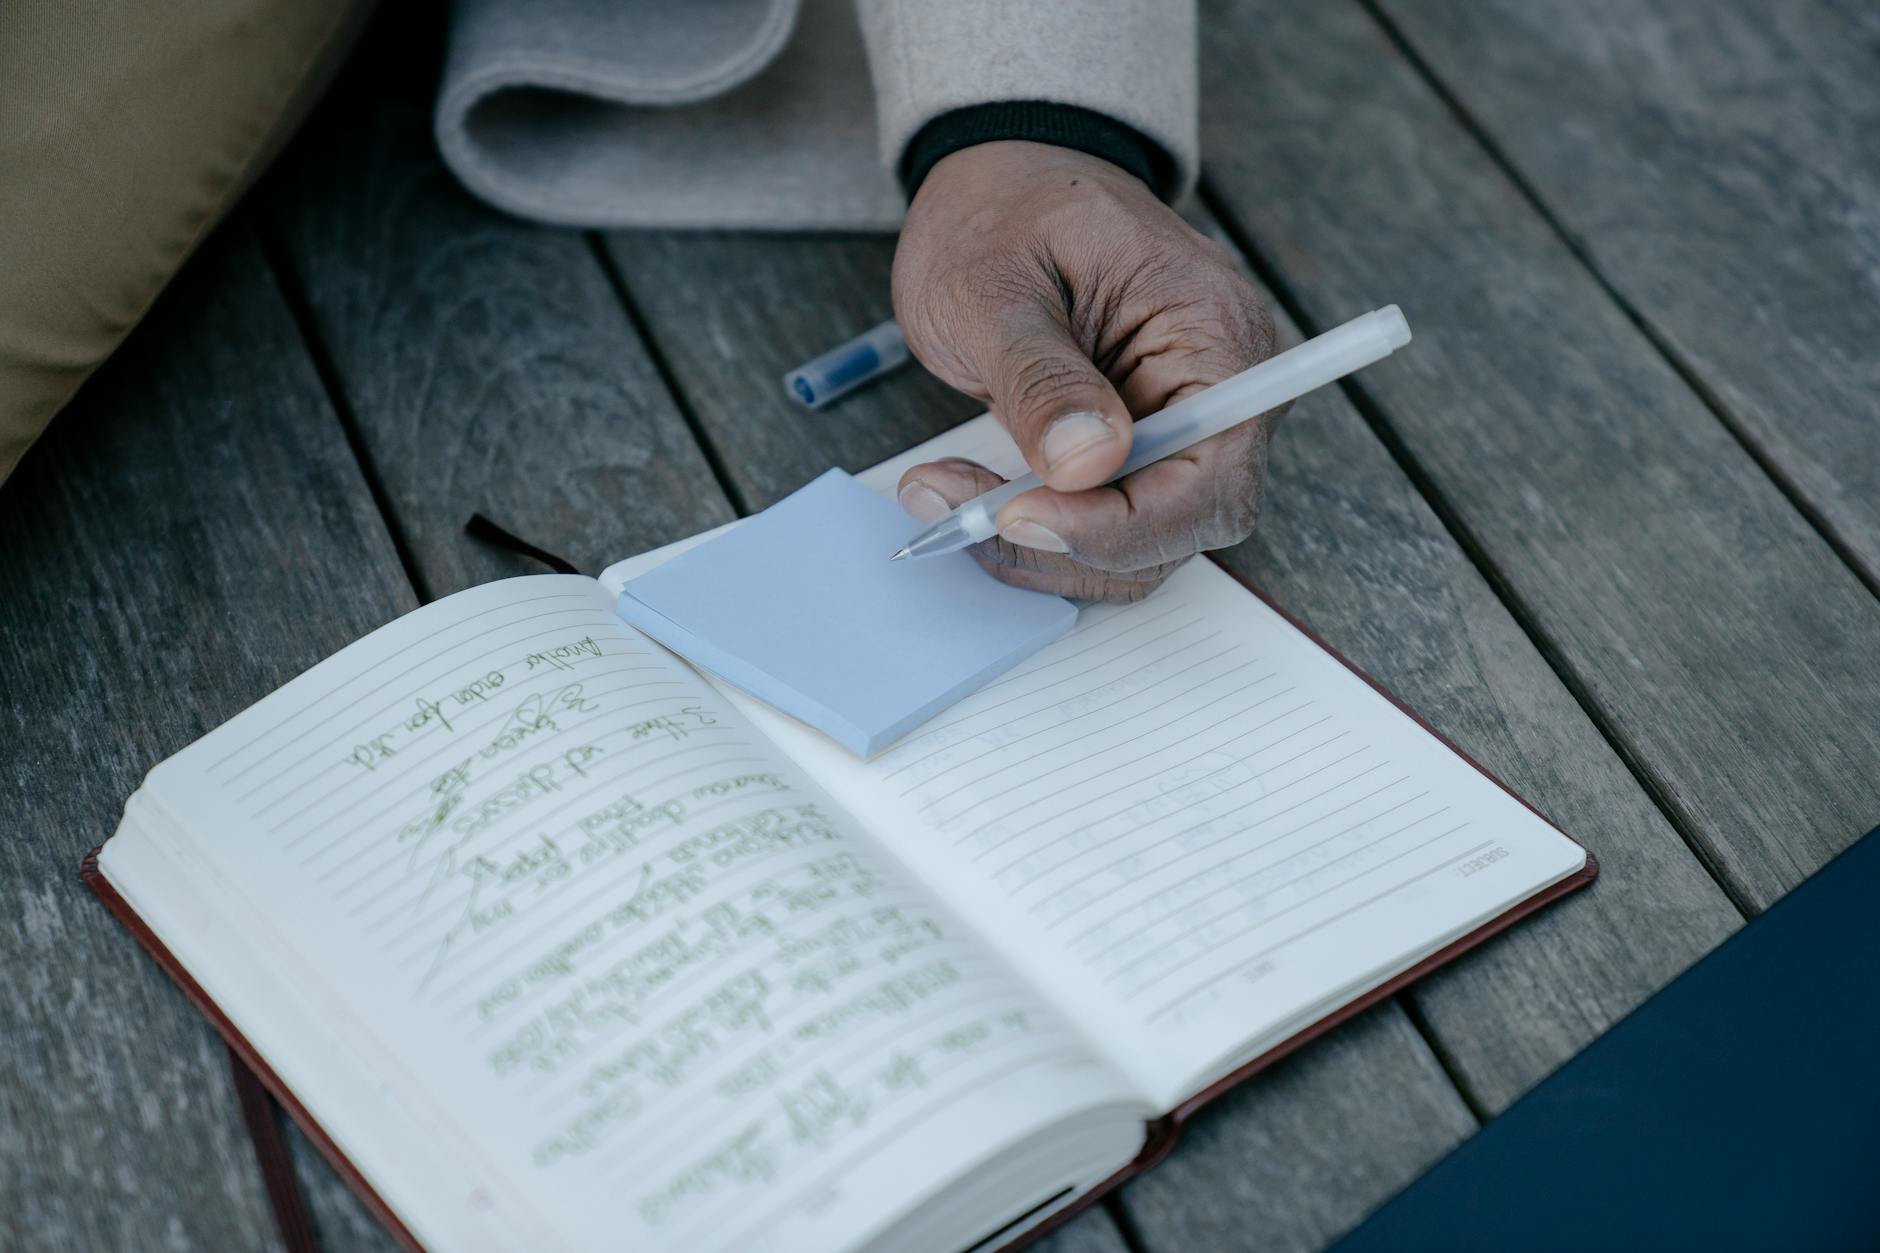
(1204, 497)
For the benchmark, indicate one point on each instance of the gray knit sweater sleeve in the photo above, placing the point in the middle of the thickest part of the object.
(1129, 60)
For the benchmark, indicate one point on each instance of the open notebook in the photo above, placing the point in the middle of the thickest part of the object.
(551, 942)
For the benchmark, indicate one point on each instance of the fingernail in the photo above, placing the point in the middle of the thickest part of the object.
(924, 503)
(1028, 534)
(1072, 434)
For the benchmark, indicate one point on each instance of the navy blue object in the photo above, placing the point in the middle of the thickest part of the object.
(1737, 1109)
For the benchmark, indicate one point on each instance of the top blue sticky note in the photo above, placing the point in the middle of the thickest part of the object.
(800, 607)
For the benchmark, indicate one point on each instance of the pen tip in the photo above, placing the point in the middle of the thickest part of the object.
(898, 555)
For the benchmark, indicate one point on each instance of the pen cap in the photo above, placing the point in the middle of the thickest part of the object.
(1389, 323)
(844, 368)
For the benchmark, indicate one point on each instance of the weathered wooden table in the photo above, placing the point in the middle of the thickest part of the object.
(1614, 525)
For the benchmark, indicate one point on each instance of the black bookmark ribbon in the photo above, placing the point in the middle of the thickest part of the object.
(480, 527)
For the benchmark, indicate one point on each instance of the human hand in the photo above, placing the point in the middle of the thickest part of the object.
(1057, 289)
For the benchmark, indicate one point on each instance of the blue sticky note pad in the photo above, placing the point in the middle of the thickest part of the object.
(800, 607)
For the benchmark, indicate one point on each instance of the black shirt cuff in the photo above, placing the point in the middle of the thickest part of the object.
(1039, 121)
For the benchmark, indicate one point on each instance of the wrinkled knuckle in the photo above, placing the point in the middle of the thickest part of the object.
(990, 563)
(1127, 591)
(1246, 325)
(1096, 587)
(1149, 251)
(1016, 273)
(1257, 333)
(1005, 554)
(1043, 379)
(996, 552)
(965, 474)
(1152, 580)
(1149, 552)
(935, 316)
(1216, 254)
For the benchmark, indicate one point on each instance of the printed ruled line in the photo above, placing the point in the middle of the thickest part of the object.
(472, 720)
(1163, 894)
(1326, 922)
(1196, 929)
(627, 767)
(377, 718)
(986, 709)
(517, 959)
(609, 1160)
(414, 784)
(1124, 812)
(1219, 945)
(619, 779)
(424, 795)
(414, 851)
(431, 920)
(1100, 667)
(555, 1088)
(1046, 659)
(758, 802)
(1005, 745)
(1096, 730)
(895, 1131)
(631, 1158)
(511, 772)
(451, 742)
(308, 706)
(1113, 767)
(1235, 834)
(418, 765)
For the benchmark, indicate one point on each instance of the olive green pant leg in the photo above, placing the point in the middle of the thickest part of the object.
(127, 129)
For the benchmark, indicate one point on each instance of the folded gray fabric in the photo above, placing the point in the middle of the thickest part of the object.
(666, 113)
(762, 113)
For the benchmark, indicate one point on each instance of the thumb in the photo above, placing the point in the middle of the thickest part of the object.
(1065, 417)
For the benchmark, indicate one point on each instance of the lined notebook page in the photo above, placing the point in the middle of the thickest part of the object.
(1194, 825)
(606, 929)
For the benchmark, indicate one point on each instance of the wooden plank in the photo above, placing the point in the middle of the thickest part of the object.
(1295, 1159)
(1085, 1234)
(340, 1220)
(1299, 1155)
(344, 1226)
(487, 362)
(1722, 645)
(731, 314)
(726, 357)
(1719, 171)
(190, 534)
(1350, 547)
(487, 366)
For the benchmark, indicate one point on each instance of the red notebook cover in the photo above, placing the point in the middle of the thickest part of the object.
(1162, 1134)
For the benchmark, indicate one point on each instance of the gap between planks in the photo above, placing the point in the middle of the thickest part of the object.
(294, 297)
(1783, 481)
(1522, 613)
(683, 403)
